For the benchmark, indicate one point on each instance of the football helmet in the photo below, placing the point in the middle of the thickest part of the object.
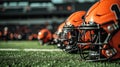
(44, 36)
(70, 31)
(57, 38)
(102, 29)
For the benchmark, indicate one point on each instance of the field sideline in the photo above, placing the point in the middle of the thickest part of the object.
(48, 50)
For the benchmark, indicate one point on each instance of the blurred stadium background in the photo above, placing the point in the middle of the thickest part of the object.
(20, 21)
(24, 18)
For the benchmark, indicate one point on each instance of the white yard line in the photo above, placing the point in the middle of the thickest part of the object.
(10, 49)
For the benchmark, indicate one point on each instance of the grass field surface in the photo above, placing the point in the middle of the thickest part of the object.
(43, 58)
(25, 44)
(46, 59)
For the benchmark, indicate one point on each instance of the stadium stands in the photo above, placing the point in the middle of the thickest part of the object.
(23, 32)
(19, 10)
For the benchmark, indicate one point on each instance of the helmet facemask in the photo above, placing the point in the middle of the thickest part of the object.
(95, 37)
(69, 36)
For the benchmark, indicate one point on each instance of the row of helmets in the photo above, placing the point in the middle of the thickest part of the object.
(95, 31)
(94, 34)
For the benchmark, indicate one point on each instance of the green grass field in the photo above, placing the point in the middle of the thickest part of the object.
(43, 59)
(25, 44)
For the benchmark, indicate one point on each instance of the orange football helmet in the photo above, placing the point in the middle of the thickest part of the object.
(57, 38)
(102, 27)
(70, 30)
(44, 36)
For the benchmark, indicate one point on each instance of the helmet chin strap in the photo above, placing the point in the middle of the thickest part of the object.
(113, 29)
(107, 38)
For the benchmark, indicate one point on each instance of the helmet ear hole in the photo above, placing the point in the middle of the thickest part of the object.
(119, 46)
(83, 17)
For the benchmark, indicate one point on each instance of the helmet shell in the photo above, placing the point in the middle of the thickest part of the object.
(45, 35)
(75, 18)
(103, 11)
